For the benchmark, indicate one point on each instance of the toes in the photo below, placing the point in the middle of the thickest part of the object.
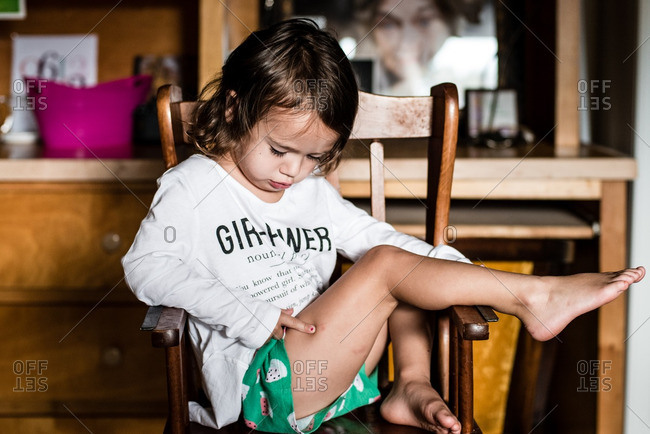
(438, 418)
(442, 430)
(637, 273)
(448, 420)
(624, 276)
(631, 275)
(455, 429)
(641, 271)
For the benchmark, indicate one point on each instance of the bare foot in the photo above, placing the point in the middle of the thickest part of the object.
(561, 299)
(418, 404)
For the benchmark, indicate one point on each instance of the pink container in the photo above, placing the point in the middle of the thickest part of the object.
(97, 118)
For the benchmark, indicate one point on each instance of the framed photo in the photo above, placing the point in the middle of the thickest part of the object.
(12, 10)
(405, 47)
(492, 113)
(70, 59)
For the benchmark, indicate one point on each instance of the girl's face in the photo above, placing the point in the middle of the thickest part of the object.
(281, 150)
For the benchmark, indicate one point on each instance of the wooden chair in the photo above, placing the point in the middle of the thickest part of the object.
(379, 117)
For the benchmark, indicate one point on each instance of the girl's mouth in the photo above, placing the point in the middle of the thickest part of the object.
(279, 185)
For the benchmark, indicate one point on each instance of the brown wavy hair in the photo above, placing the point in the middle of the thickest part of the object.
(293, 65)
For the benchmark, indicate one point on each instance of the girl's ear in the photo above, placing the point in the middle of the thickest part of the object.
(231, 102)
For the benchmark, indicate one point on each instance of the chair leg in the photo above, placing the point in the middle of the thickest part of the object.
(453, 368)
(443, 355)
(466, 386)
(178, 412)
(461, 380)
(529, 383)
(192, 375)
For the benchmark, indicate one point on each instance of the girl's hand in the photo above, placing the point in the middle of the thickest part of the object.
(288, 321)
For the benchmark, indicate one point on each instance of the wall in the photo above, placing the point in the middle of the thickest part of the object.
(637, 399)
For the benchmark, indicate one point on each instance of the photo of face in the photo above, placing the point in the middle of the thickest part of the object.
(416, 44)
(407, 35)
(404, 47)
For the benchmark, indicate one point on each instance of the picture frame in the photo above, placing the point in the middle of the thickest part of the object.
(407, 48)
(13, 10)
(492, 114)
(64, 58)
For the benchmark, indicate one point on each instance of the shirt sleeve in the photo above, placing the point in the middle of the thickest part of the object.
(161, 269)
(356, 232)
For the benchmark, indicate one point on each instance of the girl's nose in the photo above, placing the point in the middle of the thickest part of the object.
(291, 165)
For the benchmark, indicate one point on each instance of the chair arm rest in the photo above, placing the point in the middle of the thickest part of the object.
(469, 322)
(166, 324)
(151, 318)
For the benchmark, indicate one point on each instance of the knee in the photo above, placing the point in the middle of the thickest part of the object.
(383, 256)
(378, 266)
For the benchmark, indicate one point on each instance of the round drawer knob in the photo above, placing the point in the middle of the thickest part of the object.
(112, 356)
(111, 242)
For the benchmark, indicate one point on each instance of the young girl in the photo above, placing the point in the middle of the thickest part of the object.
(245, 236)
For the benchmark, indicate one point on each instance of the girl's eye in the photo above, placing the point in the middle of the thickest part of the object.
(314, 158)
(276, 152)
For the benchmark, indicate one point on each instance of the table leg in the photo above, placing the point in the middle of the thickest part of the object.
(612, 317)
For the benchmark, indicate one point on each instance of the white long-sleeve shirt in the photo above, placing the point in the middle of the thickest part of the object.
(233, 261)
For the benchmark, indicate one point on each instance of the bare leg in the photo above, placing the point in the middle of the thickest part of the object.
(350, 315)
(343, 340)
(377, 350)
(412, 400)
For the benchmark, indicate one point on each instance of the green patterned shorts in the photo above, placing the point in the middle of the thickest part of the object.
(267, 401)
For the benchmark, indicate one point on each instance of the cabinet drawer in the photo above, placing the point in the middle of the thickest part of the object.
(92, 361)
(67, 236)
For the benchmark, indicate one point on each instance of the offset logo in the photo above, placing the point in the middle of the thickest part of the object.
(30, 375)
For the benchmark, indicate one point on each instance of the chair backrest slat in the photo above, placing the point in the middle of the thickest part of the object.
(377, 193)
(381, 117)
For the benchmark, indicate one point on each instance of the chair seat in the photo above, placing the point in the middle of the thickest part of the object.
(363, 420)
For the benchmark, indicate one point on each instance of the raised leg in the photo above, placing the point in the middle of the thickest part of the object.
(350, 315)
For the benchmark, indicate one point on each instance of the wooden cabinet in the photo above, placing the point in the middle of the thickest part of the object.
(73, 235)
(73, 356)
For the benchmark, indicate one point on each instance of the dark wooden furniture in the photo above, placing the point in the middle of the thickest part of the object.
(71, 349)
(379, 117)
